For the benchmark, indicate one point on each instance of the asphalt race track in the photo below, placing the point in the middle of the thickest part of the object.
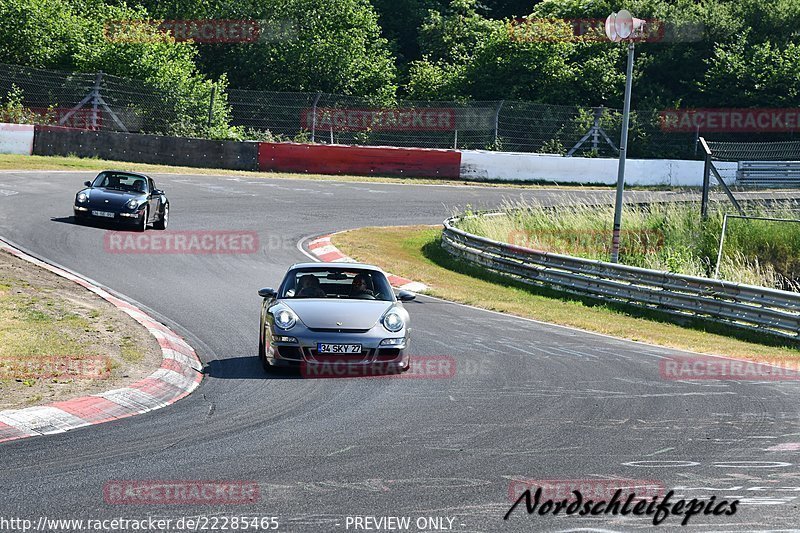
(528, 400)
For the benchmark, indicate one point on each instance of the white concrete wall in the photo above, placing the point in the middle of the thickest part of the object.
(477, 164)
(16, 139)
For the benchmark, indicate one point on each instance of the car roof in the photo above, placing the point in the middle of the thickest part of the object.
(337, 264)
(125, 172)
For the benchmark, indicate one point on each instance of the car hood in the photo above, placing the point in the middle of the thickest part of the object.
(111, 197)
(352, 314)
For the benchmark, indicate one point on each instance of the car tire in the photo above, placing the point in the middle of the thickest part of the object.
(142, 226)
(164, 221)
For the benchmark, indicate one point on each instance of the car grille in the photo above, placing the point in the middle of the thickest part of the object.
(338, 330)
(290, 352)
(387, 354)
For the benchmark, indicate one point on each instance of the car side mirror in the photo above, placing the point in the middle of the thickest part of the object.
(267, 292)
(87, 183)
(157, 192)
(406, 296)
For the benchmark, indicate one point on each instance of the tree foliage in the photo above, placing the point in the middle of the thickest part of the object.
(714, 53)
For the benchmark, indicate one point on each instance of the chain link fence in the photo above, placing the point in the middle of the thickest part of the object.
(102, 101)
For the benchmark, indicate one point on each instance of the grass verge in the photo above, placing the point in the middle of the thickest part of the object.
(58, 340)
(414, 252)
(37, 162)
(669, 236)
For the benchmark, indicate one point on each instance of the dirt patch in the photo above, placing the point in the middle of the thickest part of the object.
(59, 340)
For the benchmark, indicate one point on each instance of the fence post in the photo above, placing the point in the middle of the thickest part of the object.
(314, 118)
(598, 112)
(706, 179)
(211, 105)
(96, 98)
(497, 122)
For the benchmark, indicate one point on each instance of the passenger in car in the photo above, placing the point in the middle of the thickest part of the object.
(310, 287)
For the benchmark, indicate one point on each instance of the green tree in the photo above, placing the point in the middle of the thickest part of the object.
(329, 45)
(74, 36)
(38, 33)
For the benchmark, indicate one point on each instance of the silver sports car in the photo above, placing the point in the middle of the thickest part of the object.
(330, 317)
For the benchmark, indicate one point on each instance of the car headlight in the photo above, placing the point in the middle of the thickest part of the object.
(82, 198)
(285, 319)
(133, 203)
(393, 321)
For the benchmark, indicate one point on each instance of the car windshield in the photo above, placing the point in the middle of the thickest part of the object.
(121, 181)
(342, 283)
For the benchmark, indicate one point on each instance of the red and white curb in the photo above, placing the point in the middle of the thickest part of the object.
(180, 373)
(322, 249)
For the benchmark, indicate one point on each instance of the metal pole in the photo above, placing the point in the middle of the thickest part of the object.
(455, 141)
(623, 145)
(314, 119)
(497, 122)
(596, 128)
(706, 183)
(211, 106)
(96, 98)
(721, 240)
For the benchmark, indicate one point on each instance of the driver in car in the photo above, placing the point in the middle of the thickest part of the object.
(360, 287)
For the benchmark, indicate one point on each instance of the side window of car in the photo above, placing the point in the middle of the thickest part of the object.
(152, 185)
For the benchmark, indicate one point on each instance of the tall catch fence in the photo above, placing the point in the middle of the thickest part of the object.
(106, 102)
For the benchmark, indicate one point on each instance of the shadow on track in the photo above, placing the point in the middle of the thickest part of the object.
(117, 226)
(248, 367)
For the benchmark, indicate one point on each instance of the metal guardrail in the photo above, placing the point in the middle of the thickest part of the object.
(757, 308)
(768, 174)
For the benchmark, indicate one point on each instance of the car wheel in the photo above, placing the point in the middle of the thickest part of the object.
(143, 224)
(162, 224)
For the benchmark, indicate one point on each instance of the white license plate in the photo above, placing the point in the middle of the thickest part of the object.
(103, 214)
(338, 348)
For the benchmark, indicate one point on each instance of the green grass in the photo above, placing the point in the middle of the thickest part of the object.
(32, 326)
(415, 253)
(662, 236)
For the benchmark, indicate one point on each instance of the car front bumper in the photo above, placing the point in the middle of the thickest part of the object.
(120, 216)
(304, 355)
